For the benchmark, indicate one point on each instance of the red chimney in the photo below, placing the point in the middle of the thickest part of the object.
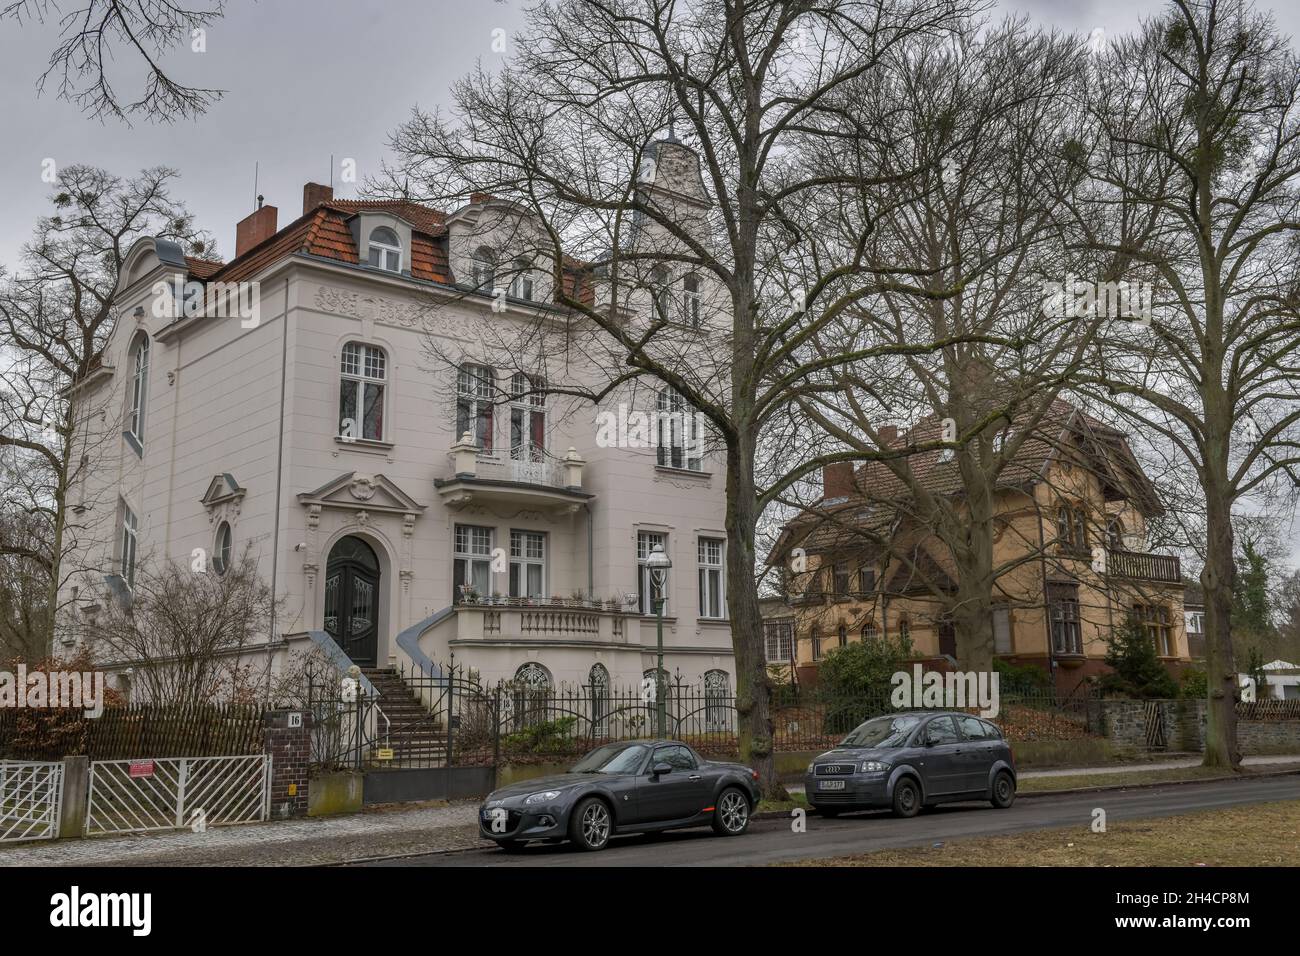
(253, 229)
(476, 198)
(888, 434)
(313, 194)
(837, 479)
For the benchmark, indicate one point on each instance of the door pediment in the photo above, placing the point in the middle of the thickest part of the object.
(355, 490)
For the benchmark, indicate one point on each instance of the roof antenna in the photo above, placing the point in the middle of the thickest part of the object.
(331, 172)
(255, 193)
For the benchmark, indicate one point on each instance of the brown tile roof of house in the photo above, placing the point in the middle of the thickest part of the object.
(324, 232)
(829, 525)
(203, 268)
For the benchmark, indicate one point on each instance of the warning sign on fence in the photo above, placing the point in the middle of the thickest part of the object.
(141, 768)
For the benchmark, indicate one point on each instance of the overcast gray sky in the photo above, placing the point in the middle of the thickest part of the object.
(304, 80)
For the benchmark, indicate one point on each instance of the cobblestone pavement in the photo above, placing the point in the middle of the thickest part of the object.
(315, 841)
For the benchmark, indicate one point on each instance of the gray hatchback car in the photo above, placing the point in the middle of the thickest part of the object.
(908, 760)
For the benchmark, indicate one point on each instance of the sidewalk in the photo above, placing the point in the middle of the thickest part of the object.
(307, 842)
(1145, 767)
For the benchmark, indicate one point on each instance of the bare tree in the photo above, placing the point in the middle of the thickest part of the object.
(608, 100)
(55, 317)
(185, 632)
(1193, 162)
(93, 35)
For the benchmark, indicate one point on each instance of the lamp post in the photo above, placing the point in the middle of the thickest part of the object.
(658, 562)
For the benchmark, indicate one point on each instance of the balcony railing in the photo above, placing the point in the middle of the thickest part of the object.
(1143, 566)
(525, 464)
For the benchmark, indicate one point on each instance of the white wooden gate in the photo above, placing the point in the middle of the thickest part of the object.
(169, 793)
(31, 800)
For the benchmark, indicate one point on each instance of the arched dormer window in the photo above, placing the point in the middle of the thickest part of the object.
(691, 300)
(139, 389)
(483, 269)
(385, 250)
(363, 374)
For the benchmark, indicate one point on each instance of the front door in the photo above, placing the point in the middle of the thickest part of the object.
(352, 600)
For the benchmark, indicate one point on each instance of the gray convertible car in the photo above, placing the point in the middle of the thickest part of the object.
(635, 786)
(914, 759)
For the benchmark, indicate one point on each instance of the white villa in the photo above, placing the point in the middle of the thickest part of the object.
(406, 509)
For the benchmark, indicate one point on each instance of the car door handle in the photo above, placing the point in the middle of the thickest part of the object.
(694, 776)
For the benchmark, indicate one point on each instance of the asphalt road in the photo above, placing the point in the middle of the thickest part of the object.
(772, 841)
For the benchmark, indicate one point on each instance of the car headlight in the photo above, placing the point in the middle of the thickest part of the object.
(811, 765)
(542, 797)
(874, 766)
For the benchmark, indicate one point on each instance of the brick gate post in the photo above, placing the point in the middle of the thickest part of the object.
(286, 737)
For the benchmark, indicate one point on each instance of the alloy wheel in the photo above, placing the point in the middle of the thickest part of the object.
(734, 810)
(595, 824)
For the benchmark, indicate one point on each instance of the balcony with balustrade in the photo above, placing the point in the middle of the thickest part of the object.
(525, 476)
(1143, 566)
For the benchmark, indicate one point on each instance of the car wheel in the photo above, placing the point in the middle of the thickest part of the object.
(907, 798)
(1004, 790)
(512, 846)
(731, 813)
(590, 824)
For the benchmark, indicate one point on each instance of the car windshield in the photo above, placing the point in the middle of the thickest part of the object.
(612, 758)
(882, 732)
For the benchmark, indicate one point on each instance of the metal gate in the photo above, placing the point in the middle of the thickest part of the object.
(31, 800)
(169, 793)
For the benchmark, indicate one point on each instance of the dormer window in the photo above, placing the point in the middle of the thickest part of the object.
(521, 285)
(385, 250)
(483, 269)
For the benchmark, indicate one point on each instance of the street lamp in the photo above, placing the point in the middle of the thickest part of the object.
(658, 563)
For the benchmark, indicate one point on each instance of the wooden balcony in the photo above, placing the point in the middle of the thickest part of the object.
(1143, 566)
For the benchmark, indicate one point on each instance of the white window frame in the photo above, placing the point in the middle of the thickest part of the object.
(465, 548)
(645, 542)
(521, 282)
(483, 269)
(362, 365)
(522, 559)
(139, 388)
(525, 405)
(713, 577)
(474, 387)
(675, 433)
(129, 545)
(222, 556)
(388, 254)
(778, 640)
(691, 299)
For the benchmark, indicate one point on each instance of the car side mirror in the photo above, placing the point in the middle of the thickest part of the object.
(661, 768)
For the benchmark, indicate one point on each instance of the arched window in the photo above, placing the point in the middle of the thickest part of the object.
(363, 372)
(843, 635)
(221, 553)
(139, 389)
(816, 642)
(385, 250)
(904, 628)
(532, 694)
(474, 404)
(717, 701)
(691, 299)
(1115, 533)
(648, 681)
(521, 283)
(1063, 526)
(483, 268)
(533, 676)
(1080, 530)
(869, 632)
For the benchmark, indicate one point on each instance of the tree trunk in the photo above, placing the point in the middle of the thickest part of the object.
(753, 684)
(1221, 672)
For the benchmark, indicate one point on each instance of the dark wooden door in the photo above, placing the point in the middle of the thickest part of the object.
(352, 600)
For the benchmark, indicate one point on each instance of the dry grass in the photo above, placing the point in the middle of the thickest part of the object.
(1265, 834)
(1173, 775)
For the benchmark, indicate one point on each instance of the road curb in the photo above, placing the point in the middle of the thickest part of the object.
(1036, 794)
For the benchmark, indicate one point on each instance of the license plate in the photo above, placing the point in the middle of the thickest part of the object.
(830, 784)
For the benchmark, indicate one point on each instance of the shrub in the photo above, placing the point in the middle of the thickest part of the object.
(544, 737)
(855, 679)
(1021, 678)
(1137, 670)
(1195, 684)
